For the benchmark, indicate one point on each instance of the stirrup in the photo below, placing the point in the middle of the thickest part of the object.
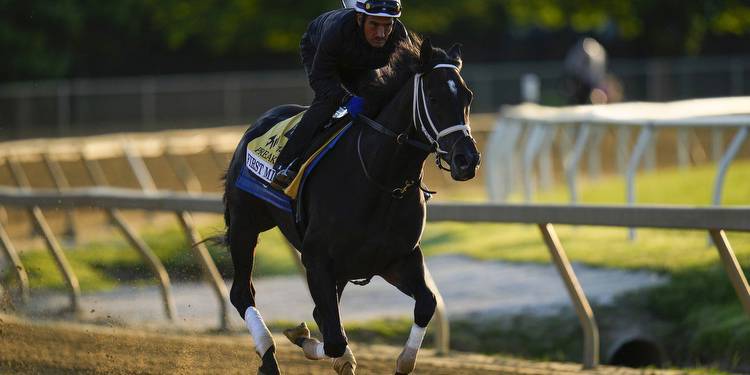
(284, 177)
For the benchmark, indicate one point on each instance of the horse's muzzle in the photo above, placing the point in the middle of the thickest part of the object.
(465, 160)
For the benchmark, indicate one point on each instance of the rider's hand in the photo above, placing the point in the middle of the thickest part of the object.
(355, 105)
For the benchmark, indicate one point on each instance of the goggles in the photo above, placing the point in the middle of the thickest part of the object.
(391, 8)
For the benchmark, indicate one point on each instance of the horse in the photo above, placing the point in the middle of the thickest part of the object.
(364, 207)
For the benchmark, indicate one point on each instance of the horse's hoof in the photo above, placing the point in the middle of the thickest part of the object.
(406, 361)
(347, 370)
(298, 334)
(346, 364)
(269, 365)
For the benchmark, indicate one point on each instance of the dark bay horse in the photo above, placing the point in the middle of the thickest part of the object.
(363, 209)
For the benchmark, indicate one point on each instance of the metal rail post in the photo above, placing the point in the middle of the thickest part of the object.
(739, 282)
(49, 238)
(717, 143)
(97, 177)
(23, 278)
(644, 138)
(546, 176)
(493, 165)
(61, 183)
(139, 168)
(220, 161)
(210, 273)
(140, 171)
(571, 164)
(729, 155)
(534, 142)
(623, 144)
(594, 153)
(184, 173)
(500, 174)
(581, 304)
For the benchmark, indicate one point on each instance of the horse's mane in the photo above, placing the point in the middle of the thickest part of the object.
(404, 64)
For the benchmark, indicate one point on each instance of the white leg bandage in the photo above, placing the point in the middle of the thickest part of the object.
(313, 349)
(261, 335)
(408, 358)
(415, 337)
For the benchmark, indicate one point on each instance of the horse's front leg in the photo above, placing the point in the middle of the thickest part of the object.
(408, 276)
(323, 288)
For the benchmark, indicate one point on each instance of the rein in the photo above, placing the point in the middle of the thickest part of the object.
(403, 138)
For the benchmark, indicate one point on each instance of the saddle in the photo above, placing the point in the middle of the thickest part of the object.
(264, 146)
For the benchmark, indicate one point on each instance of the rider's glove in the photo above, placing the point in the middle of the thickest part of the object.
(355, 105)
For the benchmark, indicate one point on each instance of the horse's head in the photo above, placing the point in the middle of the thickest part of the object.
(441, 110)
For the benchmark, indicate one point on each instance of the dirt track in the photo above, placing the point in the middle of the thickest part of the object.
(65, 348)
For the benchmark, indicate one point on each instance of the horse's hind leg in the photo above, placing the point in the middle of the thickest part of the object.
(408, 276)
(243, 236)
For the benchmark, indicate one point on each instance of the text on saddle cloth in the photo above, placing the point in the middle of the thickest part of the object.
(263, 151)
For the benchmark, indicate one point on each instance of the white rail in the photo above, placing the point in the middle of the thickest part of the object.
(528, 129)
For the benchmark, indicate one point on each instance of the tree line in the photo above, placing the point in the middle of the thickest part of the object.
(43, 39)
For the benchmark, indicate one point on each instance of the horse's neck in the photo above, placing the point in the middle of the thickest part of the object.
(397, 117)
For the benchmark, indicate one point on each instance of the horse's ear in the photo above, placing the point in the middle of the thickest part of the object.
(455, 51)
(425, 54)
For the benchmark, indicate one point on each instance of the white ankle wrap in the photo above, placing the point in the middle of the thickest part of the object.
(314, 349)
(261, 335)
(415, 337)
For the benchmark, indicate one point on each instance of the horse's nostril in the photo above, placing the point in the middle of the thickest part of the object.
(461, 162)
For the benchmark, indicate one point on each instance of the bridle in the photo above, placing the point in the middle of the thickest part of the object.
(417, 114)
(419, 107)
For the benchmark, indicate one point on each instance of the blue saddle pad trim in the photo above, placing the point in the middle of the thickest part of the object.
(252, 184)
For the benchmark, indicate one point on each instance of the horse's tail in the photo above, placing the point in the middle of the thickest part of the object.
(227, 178)
(221, 239)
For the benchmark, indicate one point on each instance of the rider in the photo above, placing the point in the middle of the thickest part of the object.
(340, 49)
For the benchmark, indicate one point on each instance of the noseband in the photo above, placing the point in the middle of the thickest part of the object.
(418, 108)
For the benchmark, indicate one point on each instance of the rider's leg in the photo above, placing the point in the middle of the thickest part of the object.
(320, 111)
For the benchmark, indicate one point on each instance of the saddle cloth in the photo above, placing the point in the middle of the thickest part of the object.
(263, 149)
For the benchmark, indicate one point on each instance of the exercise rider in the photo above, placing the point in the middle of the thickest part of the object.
(340, 50)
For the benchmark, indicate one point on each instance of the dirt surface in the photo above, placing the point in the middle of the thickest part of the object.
(66, 348)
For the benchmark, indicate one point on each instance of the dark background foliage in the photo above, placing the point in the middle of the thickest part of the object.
(84, 38)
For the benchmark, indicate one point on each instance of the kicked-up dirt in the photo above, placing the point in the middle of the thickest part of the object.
(67, 348)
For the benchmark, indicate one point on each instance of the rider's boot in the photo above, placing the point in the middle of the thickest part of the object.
(284, 175)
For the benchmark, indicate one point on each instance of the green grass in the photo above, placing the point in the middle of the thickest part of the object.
(102, 266)
(692, 186)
